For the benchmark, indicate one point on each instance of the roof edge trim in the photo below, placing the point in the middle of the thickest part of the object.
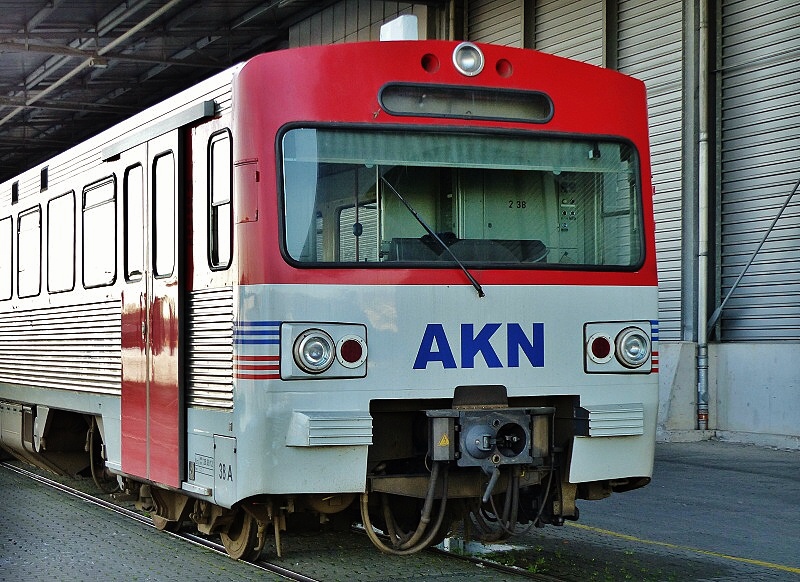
(194, 113)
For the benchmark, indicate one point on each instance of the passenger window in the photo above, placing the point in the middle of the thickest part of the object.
(164, 214)
(220, 220)
(100, 233)
(29, 252)
(133, 196)
(61, 243)
(6, 246)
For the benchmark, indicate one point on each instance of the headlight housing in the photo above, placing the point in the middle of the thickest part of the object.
(322, 350)
(314, 351)
(468, 59)
(633, 347)
(620, 347)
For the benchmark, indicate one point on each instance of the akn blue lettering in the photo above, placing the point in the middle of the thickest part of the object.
(435, 346)
(473, 345)
(434, 332)
(534, 349)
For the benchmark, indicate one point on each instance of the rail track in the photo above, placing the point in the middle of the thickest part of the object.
(140, 517)
(313, 558)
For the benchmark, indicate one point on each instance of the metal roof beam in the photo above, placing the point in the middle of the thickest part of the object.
(6, 45)
(110, 21)
(91, 107)
(42, 15)
(88, 62)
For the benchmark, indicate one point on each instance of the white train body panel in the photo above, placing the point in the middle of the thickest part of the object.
(270, 415)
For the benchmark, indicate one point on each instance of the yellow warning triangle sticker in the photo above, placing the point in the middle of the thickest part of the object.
(444, 441)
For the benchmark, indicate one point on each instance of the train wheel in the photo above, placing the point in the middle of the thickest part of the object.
(170, 511)
(487, 527)
(241, 537)
(164, 524)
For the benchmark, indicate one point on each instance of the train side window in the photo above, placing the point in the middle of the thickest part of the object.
(61, 243)
(29, 252)
(133, 198)
(6, 249)
(220, 207)
(100, 233)
(164, 214)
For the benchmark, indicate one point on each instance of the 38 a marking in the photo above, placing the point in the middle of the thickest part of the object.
(225, 472)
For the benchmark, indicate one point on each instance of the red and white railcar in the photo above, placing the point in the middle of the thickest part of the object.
(369, 281)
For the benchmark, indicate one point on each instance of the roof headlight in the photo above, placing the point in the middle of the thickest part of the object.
(633, 347)
(314, 351)
(468, 59)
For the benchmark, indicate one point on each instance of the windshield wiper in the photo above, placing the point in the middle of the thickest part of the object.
(436, 237)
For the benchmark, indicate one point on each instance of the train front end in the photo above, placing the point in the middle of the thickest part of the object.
(447, 301)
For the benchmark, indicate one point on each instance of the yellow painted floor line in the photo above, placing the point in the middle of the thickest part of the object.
(762, 563)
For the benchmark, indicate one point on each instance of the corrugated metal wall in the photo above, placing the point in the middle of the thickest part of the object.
(649, 47)
(496, 21)
(759, 144)
(570, 28)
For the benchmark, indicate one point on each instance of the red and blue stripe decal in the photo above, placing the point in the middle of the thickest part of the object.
(654, 345)
(257, 350)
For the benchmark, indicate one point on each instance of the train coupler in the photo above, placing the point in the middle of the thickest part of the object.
(490, 438)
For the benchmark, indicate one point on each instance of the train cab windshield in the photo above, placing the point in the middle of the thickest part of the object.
(386, 198)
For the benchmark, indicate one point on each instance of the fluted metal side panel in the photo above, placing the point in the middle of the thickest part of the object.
(74, 347)
(210, 349)
(607, 420)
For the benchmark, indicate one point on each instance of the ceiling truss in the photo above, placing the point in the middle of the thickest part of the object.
(70, 69)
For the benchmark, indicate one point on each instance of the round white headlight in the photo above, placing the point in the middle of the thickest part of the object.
(314, 351)
(468, 59)
(633, 347)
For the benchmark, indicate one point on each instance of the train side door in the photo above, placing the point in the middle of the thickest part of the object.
(152, 396)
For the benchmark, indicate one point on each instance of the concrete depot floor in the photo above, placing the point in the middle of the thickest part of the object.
(714, 511)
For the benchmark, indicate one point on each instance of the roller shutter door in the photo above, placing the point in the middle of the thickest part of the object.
(570, 28)
(496, 21)
(759, 143)
(649, 47)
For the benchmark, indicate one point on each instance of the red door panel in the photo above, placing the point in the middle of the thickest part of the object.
(166, 411)
(152, 403)
(134, 384)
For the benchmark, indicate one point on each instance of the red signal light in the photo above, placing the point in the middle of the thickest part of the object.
(600, 348)
(351, 351)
